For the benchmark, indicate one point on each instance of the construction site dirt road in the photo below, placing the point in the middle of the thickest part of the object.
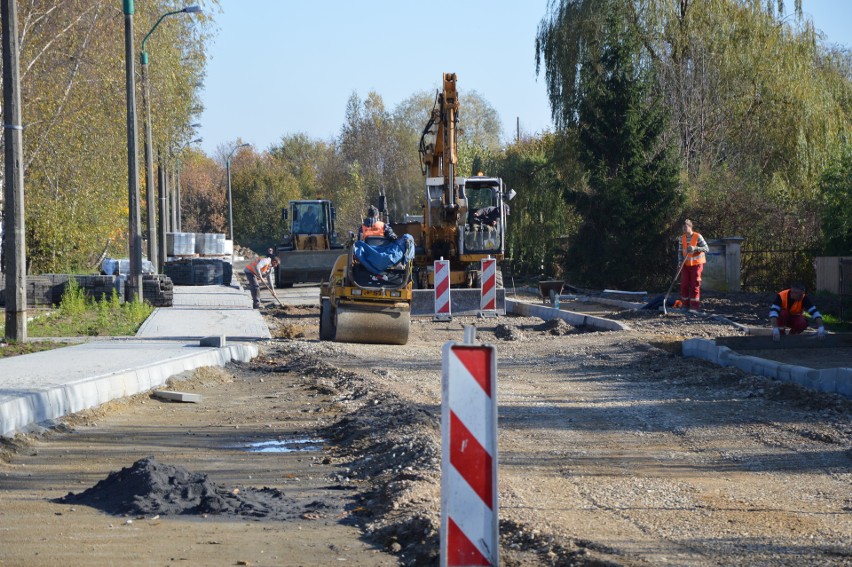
(613, 450)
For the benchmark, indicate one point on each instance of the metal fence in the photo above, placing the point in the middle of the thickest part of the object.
(846, 290)
(774, 270)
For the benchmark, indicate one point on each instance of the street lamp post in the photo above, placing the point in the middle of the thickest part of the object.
(134, 232)
(230, 201)
(149, 153)
(177, 180)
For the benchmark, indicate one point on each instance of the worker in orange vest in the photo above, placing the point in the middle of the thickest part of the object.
(787, 311)
(373, 226)
(691, 255)
(260, 268)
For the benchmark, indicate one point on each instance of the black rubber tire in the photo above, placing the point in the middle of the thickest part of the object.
(499, 278)
(326, 329)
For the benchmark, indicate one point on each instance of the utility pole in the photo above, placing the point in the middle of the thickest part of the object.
(134, 230)
(14, 243)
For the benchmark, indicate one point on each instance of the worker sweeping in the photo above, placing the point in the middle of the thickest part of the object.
(691, 255)
(259, 269)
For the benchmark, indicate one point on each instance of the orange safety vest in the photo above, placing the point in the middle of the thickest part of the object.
(694, 258)
(253, 267)
(378, 229)
(796, 308)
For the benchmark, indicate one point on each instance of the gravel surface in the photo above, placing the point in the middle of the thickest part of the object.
(614, 450)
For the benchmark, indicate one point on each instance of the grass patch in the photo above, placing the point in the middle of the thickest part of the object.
(15, 348)
(80, 316)
(833, 323)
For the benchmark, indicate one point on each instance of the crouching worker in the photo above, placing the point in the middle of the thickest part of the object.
(260, 268)
(787, 312)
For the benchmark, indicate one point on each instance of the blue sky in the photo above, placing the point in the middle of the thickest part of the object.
(280, 67)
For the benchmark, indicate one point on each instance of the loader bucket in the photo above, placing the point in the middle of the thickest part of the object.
(306, 265)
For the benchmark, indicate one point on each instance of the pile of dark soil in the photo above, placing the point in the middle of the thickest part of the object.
(152, 488)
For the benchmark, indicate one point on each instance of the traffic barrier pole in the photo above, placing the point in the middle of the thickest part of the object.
(469, 515)
(488, 288)
(443, 311)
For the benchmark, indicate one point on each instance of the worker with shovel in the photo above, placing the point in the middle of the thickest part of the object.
(260, 269)
(691, 257)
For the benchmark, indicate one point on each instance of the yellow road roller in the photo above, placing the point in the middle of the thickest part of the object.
(367, 298)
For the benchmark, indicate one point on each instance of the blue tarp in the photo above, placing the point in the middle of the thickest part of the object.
(377, 259)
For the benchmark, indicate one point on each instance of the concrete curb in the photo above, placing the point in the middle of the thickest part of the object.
(576, 319)
(829, 380)
(34, 406)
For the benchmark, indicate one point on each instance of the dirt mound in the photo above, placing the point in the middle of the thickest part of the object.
(507, 332)
(152, 488)
(558, 328)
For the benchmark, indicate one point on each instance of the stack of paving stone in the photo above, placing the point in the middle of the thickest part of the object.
(47, 289)
(158, 290)
(198, 271)
(209, 244)
(39, 291)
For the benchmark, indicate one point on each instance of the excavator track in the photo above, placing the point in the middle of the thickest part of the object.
(372, 324)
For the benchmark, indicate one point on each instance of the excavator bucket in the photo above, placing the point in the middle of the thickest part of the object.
(370, 323)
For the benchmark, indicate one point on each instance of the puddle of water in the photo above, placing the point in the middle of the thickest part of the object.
(285, 445)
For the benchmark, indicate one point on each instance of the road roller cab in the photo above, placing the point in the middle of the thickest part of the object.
(367, 298)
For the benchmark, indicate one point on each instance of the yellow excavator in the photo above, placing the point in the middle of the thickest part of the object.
(464, 219)
(367, 298)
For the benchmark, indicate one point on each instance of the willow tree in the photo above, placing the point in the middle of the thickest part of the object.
(757, 101)
(632, 193)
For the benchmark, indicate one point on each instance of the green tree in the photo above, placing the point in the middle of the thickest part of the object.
(540, 220)
(836, 184)
(260, 189)
(380, 145)
(633, 194)
(73, 99)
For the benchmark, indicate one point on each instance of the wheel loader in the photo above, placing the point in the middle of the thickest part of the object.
(310, 246)
(368, 301)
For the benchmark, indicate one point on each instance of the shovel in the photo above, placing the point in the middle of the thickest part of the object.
(266, 285)
(671, 285)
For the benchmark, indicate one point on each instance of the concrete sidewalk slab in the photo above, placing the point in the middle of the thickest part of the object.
(203, 311)
(49, 384)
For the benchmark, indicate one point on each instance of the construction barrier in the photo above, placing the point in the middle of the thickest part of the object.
(488, 301)
(469, 522)
(442, 291)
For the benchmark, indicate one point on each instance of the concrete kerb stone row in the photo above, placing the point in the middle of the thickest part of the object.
(576, 319)
(30, 408)
(829, 380)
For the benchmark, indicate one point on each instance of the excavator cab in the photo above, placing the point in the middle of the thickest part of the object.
(483, 231)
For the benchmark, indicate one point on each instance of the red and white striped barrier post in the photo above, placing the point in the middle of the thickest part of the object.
(469, 522)
(488, 288)
(443, 311)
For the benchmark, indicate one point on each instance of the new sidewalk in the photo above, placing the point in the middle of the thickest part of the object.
(47, 385)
